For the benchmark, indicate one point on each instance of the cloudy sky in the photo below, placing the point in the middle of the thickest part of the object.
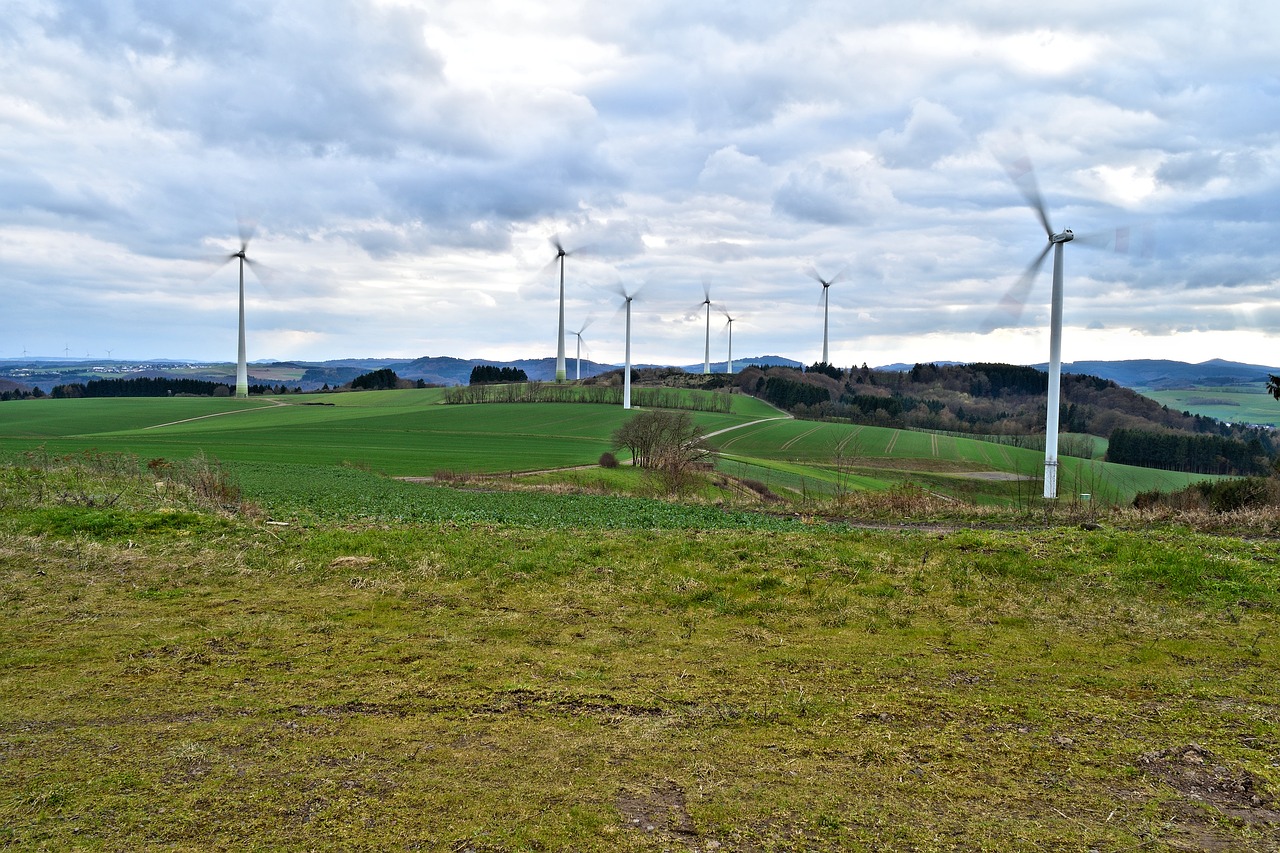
(406, 164)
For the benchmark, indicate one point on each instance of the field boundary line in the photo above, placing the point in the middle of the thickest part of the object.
(269, 403)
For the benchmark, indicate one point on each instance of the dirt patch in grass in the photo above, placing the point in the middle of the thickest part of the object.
(662, 810)
(1200, 779)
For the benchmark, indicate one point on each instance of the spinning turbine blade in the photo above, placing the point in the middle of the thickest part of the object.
(1015, 298)
(1023, 175)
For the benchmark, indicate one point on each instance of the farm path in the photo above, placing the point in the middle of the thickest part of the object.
(217, 414)
(781, 417)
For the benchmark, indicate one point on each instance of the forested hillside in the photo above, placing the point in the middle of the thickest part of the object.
(1004, 399)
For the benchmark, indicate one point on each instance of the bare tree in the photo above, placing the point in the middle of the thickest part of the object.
(665, 442)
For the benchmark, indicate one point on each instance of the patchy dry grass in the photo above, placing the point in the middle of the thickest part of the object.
(222, 683)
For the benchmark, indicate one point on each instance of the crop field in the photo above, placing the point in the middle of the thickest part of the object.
(410, 433)
(400, 433)
(179, 676)
(824, 456)
(1249, 405)
(312, 494)
(40, 419)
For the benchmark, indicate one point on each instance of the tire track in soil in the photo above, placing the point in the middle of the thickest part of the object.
(853, 433)
(893, 441)
(788, 444)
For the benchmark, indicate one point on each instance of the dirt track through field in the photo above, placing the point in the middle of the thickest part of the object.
(269, 404)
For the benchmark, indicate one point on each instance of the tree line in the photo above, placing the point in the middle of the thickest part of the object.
(485, 373)
(611, 395)
(140, 386)
(1197, 454)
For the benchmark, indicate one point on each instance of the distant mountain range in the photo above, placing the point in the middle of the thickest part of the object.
(444, 370)
(1138, 374)
(1153, 374)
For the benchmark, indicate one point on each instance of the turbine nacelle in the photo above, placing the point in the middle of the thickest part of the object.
(1064, 237)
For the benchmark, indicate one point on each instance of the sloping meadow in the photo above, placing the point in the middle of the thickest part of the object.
(191, 676)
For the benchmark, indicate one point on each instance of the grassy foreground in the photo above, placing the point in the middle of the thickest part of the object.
(178, 678)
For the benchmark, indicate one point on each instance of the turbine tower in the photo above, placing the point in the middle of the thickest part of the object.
(1024, 177)
(729, 323)
(578, 334)
(826, 304)
(242, 367)
(706, 352)
(561, 254)
(627, 299)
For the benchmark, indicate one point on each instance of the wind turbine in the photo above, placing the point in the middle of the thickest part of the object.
(578, 334)
(561, 254)
(826, 303)
(729, 324)
(242, 367)
(626, 369)
(1024, 178)
(706, 353)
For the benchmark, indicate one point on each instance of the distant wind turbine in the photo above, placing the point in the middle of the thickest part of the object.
(826, 303)
(706, 352)
(242, 367)
(729, 324)
(561, 254)
(578, 334)
(627, 298)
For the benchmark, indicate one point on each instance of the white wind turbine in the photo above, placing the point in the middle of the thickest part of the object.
(627, 299)
(561, 254)
(706, 352)
(242, 368)
(578, 335)
(729, 325)
(1024, 177)
(826, 303)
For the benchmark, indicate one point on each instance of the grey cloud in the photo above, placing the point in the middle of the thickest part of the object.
(730, 172)
(931, 132)
(823, 194)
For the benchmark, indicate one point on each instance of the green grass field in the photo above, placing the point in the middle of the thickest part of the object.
(400, 433)
(177, 677)
(808, 455)
(411, 433)
(1245, 405)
